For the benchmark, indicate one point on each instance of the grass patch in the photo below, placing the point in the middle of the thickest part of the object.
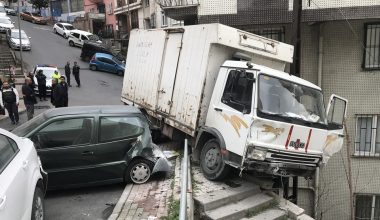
(173, 210)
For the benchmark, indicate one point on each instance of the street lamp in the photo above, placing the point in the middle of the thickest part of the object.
(19, 35)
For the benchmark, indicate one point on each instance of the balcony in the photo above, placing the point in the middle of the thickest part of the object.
(179, 9)
(96, 16)
(97, 1)
(123, 7)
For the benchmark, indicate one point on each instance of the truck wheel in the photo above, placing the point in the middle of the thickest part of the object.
(212, 163)
(139, 171)
(71, 43)
(38, 208)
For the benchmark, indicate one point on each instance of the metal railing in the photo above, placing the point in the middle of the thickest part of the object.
(174, 3)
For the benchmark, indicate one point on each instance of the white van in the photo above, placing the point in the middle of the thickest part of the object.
(78, 37)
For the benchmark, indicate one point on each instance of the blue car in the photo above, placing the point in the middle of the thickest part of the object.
(108, 63)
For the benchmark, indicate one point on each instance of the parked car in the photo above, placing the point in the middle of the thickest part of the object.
(2, 10)
(10, 11)
(48, 71)
(78, 38)
(22, 179)
(108, 63)
(5, 24)
(89, 145)
(13, 39)
(63, 29)
(35, 18)
(90, 48)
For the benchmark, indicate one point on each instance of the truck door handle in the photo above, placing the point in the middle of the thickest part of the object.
(87, 153)
(218, 109)
(2, 202)
(25, 164)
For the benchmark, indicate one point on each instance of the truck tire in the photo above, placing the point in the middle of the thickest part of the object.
(211, 161)
(38, 208)
(139, 171)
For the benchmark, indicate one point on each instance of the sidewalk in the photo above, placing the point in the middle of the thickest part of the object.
(151, 200)
(21, 109)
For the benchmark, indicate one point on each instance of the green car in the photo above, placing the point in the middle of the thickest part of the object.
(93, 145)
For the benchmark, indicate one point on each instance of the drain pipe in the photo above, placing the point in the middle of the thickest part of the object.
(320, 71)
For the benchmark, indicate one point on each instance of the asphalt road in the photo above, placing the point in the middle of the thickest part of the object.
(97, 88)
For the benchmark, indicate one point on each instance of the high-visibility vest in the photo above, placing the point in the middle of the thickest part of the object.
(56, 76)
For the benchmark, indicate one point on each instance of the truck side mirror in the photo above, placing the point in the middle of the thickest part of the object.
(336, 112)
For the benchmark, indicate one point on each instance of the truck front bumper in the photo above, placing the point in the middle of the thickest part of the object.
(285, 164)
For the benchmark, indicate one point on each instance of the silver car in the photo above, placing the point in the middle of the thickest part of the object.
(13, 38)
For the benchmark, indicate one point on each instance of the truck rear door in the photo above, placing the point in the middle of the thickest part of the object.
(173, 47)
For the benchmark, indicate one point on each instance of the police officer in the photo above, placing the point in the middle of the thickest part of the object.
(9, 99)
(41, 79)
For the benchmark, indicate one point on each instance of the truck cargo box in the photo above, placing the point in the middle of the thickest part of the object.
(171, 72)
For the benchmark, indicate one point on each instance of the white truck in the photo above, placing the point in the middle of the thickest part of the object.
(227, 89)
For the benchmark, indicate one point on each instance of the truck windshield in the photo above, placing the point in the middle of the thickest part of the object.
(288, 100)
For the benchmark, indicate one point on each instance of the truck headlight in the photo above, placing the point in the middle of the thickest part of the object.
(256, 154)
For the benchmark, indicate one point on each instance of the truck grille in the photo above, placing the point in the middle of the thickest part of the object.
(281, 157)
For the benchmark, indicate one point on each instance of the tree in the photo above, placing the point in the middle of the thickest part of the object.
(40, 4)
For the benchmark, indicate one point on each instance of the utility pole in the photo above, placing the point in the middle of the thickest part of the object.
(19, 34)
(295, 67)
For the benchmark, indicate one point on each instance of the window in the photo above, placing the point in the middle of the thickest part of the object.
(64, 132)
(84, 37)
(8, 150)
(372, 46)
(146, 3)
(117, 128)
(367, 141)
(238, 91)
(272, 33)
(134, 19)
(164, 19)
(367, 207)
(76, 35)
(153, 21)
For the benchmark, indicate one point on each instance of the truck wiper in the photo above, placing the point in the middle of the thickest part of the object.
(286, 118)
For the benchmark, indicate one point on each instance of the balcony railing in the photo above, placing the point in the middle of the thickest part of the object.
(177, 3)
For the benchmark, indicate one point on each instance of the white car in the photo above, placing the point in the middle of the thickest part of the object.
(5, 24)
(13, 38)
(63, 29)
(22, 179)
(78, 37)
(48, 71)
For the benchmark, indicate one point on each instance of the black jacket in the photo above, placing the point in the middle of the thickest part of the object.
(61, 95)
(41, 79)
(76, 69)
(67, 70)
(29, 96)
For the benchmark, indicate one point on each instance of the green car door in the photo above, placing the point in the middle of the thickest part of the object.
(66, 149)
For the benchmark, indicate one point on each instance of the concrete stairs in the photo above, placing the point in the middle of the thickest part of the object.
(6, 57)
(238, 198)
(244, 202)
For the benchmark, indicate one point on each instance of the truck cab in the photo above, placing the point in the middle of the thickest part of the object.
(267, 120)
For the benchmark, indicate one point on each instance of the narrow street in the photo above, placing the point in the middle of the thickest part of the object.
(97, 88)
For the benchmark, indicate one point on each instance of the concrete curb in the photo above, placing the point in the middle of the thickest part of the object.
(119, 205)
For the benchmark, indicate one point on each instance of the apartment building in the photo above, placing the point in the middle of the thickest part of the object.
(340, 51)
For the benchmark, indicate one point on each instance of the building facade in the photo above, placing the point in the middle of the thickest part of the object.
(340, 51)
